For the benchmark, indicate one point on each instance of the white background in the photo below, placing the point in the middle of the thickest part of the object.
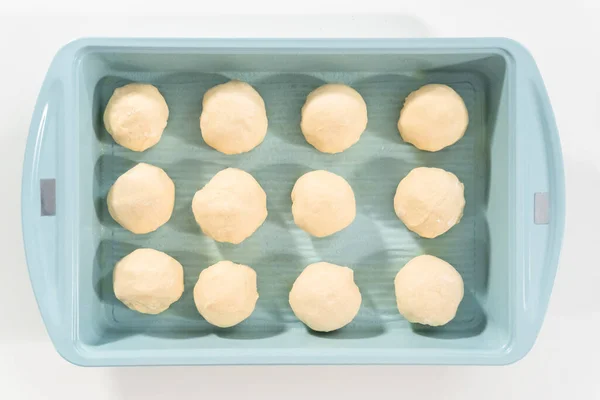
(563, 37)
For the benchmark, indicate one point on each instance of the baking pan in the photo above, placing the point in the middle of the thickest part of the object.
(506, 247)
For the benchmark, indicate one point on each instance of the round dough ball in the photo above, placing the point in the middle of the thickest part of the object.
(233, 119)
(325, 297)
(142, 199)
(231, 206)
(148, 281)
(323, 203)
(225, 293)
(428, 291)
(136, 116)
(333, 117)
(430, 201)
(433, 117)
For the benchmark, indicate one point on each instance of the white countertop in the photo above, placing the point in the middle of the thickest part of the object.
(564, 40)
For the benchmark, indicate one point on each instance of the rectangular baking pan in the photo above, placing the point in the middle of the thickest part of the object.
(506, 247)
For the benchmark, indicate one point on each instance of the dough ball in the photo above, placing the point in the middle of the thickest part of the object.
(225, 293)
(433, 117)
(430, 201)
(142, 199)
(323, 203)
(333, 118)
(325, 297)
(233, 119)
(428, 291)
(231, 206)
(148, 281)
(136, 116)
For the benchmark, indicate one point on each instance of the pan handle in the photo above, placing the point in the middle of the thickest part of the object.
(540, 189)
(41, 204)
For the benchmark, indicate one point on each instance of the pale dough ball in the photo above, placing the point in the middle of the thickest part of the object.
(142, 199)
(231, 206)
(233, 119)
(428, 291)
(136, 116)
(148, 281)
(225, 293)
(433, 117)
(430, 201)
(323, 203)
(333, 117)
(325, 297)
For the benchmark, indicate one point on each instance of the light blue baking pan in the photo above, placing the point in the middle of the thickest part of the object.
(506, 246)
